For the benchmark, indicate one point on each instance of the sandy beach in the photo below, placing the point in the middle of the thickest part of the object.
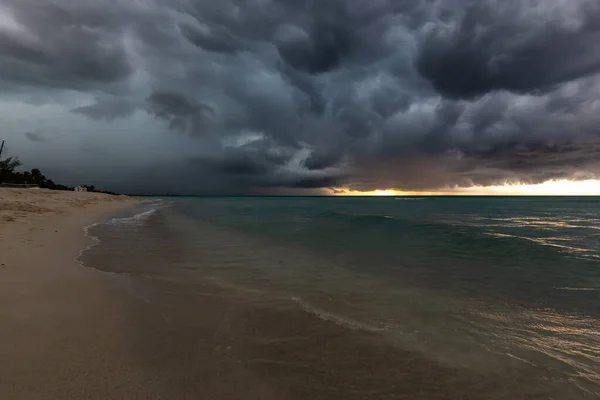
(172, 307)
(61, 325)
(72, 332)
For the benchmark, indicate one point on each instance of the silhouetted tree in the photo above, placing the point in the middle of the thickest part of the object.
(8, 174)
(7, 168)
(10, 164)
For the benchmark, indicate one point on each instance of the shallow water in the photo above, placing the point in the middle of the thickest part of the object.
(374, 297)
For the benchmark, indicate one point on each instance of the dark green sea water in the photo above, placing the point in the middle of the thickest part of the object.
(503, 288)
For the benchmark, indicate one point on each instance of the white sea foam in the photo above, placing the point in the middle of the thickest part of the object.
(521, 359)
(337, 319)
(95, 241)
(134, 219)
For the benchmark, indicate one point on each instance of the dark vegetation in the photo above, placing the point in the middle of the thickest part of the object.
(10, 176)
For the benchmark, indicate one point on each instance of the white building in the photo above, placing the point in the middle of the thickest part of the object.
(80, 189)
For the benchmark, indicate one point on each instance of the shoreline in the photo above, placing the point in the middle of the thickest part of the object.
(63, 331)
(69, 330)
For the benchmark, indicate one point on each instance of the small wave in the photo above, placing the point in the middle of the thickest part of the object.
(94, 239)
(583, 289)
(410, 198)
(95, 242)
(586, 254)
(357, 218)
(521, 359)
(134, 219)
(545, 223)
(336, 319)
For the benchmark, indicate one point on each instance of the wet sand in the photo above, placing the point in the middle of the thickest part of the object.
(200, 342)
(206, 329)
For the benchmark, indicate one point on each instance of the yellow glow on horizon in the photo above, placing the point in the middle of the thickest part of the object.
(557, 188)
(563, 187)
(386, 192)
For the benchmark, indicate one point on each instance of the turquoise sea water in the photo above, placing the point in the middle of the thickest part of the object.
(503, 287)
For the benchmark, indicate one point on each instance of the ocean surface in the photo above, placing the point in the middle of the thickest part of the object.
(367, 297)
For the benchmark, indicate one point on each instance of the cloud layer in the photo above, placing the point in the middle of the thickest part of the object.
(264, 95)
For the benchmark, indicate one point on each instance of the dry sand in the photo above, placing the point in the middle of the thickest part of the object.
(62, 328)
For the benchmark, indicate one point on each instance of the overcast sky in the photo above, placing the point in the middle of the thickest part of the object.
(267, 96)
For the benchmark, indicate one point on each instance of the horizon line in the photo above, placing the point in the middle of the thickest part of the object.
(371, 196)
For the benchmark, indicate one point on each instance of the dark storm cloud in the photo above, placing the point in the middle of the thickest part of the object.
(34, 137)
(62, 45)
(262, 163)
(503, 45)
(180, 112)
(322, 51)
(256, 158)
(316, 94)
(320, 159)
(107, 110)
(539, 162)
